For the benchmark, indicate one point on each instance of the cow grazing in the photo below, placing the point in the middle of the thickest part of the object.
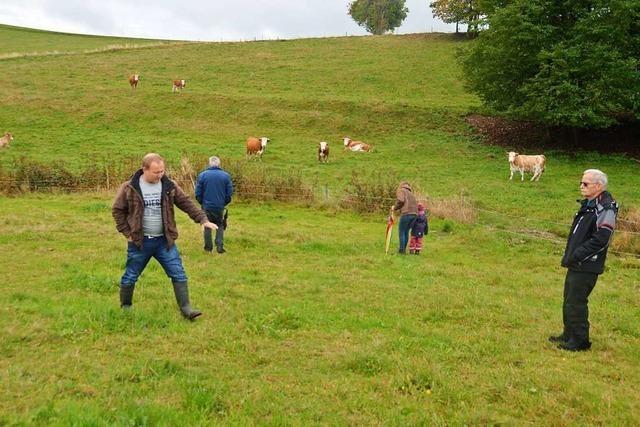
(323, 152)
(355, 145)
(6, 139)
(178, 85)
(133, 81)
(522, 164)
(256, 146)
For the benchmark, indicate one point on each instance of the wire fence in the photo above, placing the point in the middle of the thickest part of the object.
(362, 197)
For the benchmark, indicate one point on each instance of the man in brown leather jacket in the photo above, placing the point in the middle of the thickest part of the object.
(143, 212)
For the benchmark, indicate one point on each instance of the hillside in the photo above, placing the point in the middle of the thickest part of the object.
(20, 41)
(306, 321)
(401, 94)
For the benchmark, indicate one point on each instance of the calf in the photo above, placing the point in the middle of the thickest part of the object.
(534, 164)
(355, 145)
(133, 81)
(323, 152)
(6, 139)
(178, 85)
(256, 146)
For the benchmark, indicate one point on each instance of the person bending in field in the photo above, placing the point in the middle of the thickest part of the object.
(143, 212)
(407, 206)
(419, 229)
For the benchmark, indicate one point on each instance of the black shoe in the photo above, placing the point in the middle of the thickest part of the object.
(221, 250)
(557, 338)
(575, 346)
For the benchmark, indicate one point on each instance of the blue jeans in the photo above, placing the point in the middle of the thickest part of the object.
(216, 216)
(156, 247)
(404, 227)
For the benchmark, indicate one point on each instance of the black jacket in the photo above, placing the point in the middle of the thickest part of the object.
(590, 234)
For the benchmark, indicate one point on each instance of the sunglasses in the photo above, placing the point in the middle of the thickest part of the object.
(586, 184)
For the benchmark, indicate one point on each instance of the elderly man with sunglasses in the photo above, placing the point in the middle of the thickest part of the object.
(584, 258)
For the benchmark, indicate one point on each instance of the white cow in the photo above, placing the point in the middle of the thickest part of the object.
(520, 163)
(349, 144)
(323, 152)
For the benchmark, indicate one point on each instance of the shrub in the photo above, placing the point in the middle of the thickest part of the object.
(367, 194)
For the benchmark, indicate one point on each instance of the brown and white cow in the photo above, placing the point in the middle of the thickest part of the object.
(178, 85)
(323, 152)
(520, 163)
(133, 81)
(256, 146)
(351, 145)
(6, 139)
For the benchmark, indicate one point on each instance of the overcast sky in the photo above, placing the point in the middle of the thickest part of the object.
(205, 20)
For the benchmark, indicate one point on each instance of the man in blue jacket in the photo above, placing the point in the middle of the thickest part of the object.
(584, 258)
(213, 191)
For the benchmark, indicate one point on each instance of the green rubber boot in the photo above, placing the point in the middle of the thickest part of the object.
(182, 298)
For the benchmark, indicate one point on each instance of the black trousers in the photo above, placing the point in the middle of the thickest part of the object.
(216, 217)
(575, 310)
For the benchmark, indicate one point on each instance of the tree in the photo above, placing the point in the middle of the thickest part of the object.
(470, 12)
(452, 11)
(568, 63)
(378, 16)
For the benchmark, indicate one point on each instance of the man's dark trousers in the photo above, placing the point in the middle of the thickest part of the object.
(216, 216)
(575, 311)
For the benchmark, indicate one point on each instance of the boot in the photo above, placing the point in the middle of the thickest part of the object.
(126, 296)
(558, 338)
(181, 291)
(573, 345)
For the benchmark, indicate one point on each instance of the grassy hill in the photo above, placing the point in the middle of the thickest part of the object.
(19, 42)
(306, 321)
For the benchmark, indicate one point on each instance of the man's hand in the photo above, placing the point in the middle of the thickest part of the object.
(210, 225)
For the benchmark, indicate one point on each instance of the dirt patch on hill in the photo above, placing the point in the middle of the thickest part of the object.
(529, 136)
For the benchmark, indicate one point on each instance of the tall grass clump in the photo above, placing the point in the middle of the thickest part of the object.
(251, 182)
(458, 208)
(256, 182)
(370, 194)
(30, 176)
(627, 236)
(34, 176)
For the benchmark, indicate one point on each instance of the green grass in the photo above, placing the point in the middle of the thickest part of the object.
(313, 324)
(19, 41)
(306, 321)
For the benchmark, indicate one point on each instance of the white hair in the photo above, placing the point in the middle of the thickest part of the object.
(599, 176)
(214, 162)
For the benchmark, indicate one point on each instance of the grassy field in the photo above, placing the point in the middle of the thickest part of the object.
(20, 42)
(306, 320)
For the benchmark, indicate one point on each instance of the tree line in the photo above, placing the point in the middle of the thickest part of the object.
(572, 63)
